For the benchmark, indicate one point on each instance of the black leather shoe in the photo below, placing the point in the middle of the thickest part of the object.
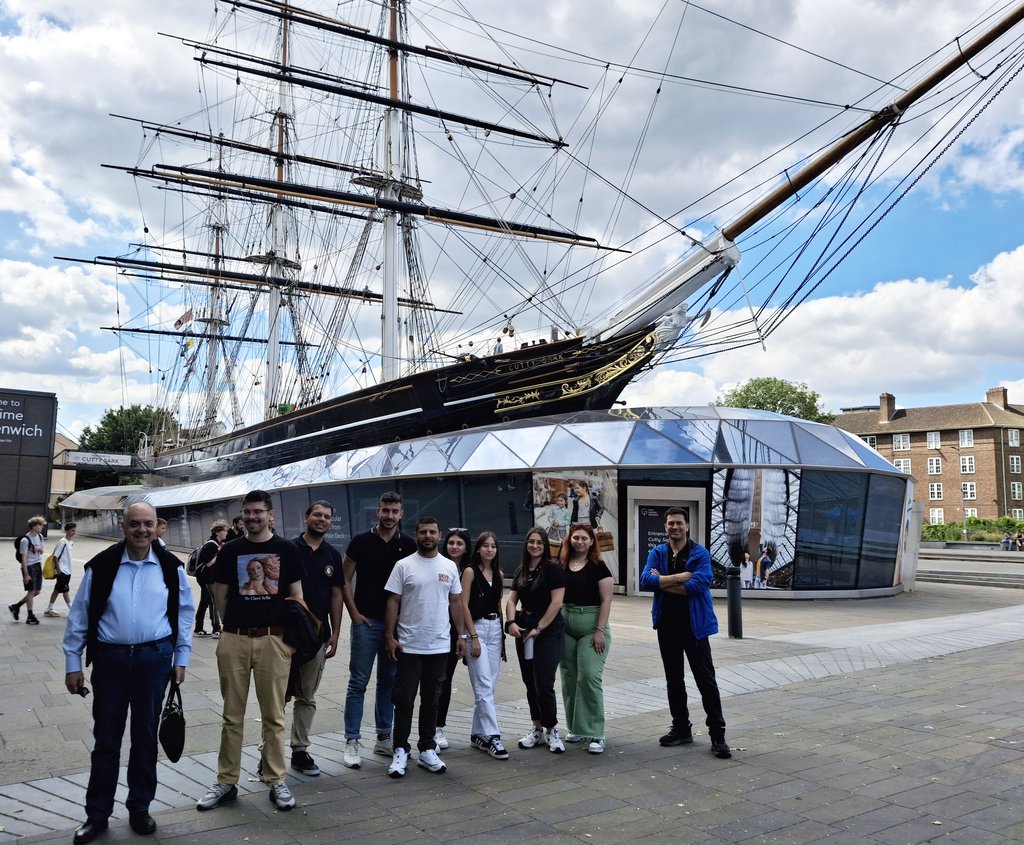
(720, 748)
(677, 736)
(141, 823)
(90, 830)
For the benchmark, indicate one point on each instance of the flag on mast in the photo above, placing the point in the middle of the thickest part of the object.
(183, 319)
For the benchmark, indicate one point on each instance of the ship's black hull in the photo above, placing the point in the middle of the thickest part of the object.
(559, 377)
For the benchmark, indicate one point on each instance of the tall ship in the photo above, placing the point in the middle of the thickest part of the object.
(372, 229)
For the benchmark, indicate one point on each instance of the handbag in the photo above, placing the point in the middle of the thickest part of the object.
(50, 567)
(172, 724)
(605, 540)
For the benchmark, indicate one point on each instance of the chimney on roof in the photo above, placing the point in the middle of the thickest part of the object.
(996, 396)
(886, 407)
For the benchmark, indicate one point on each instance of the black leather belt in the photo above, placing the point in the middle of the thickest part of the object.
(129, 646)
(491, 616)
(255, 632)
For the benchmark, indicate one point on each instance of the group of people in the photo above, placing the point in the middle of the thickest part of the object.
(29, 554)
(419, 605)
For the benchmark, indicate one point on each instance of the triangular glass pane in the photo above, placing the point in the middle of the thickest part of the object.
(608, 438)
(650, 447)
(565, 449)
(816, 452)
(527, 443)
(837, 439)
(697, 436)
(376, 464)
(868, 456)
(736, 447)
(777, 434)
(492, 454)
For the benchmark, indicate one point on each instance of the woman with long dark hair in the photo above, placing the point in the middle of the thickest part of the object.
(588, 603)
(456, 548)
(205, 562)
(482, 586)
(538, 588)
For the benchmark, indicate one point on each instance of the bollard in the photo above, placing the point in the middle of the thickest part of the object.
(733, 592)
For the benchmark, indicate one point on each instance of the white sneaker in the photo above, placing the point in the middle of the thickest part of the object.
(596, 746)
(399, 760)
(383, 746)
(352, 759)
(440, 739)
(555, 744)
(281, 797)
(532, 739)
(430, 761)
(220, 793)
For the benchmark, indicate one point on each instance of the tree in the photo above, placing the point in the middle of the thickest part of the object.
(774, 394)
(122, 429)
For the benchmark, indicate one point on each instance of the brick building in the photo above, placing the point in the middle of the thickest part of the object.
(966, 459)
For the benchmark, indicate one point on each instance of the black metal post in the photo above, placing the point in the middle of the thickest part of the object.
(733, 592)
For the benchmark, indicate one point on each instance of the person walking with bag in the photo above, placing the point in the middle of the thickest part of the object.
(62, 555)
(206, 560)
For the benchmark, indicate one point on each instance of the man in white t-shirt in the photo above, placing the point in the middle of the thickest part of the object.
(30, 555)
(63, 555)
(421, 592)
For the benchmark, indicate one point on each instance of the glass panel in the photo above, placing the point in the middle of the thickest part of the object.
(674, 475)
(735, 447)
(340, 531)
(777, 435)
(290, 517)
(363, 499)
(814, 451)
(437, 497)
(501, 503)
(565, 449)
(527, 443)
(882, 523)
(373, 464)
(698, 436)
(649, 447)
(492, 454)
(608, 438)
(829, 528)
(427, 459)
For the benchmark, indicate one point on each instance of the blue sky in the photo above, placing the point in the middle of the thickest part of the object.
(931, 308)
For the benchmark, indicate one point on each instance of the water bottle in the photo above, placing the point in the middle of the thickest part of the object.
(528, 649)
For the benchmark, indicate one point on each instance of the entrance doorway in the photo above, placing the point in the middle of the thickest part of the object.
(646, 507)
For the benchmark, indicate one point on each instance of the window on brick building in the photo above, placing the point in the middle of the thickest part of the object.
(935, 466)
(902, 464)
(901, 442)
(934, 439)
(967, 437)
(935, 490)
(1013, 436)
(1015, 464)
(967, 463)
(969, 490)
(1016, 490)
(871, 440)
(1017, 513)
(935, 516)
(969, 512)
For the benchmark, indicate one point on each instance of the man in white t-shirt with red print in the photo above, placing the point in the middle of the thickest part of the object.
(421, 591)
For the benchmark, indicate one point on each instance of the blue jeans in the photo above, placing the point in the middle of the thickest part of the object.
(123, 677)
(367, 645)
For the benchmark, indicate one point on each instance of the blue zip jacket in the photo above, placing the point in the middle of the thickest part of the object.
(702, 610)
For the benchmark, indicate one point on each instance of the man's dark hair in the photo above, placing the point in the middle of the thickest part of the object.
(678, 512)
(321, 503)
(427, 520)
(390, 498)
(261, 496)
(238, 519)
(69, 525)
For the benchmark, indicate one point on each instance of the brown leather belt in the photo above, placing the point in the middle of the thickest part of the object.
(255, 632)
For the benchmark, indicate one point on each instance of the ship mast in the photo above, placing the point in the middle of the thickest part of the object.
(392, 166)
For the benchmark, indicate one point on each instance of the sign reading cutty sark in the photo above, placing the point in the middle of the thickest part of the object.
(28, 425)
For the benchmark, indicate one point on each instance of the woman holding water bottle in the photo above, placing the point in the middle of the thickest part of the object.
(538, 589)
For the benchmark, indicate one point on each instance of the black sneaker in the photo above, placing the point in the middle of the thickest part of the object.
(15, 611)
(677, 736)
(720, 748)
(31, 620)
(303, 764)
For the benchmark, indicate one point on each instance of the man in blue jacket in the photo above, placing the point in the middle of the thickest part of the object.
(679, 572)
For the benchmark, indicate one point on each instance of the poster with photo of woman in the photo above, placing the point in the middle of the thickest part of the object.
(571, 496)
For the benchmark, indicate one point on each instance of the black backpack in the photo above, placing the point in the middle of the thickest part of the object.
(17, 547)
(193, 559)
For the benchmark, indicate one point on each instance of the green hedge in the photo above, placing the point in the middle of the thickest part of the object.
(982, 530)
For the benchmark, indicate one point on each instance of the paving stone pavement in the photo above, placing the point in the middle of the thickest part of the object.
(894, 720)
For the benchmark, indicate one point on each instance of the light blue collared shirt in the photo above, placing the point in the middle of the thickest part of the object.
(136, 611)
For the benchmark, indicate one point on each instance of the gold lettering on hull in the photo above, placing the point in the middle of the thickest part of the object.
(587, 384)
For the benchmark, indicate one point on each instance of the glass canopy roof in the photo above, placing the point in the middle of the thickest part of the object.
(622, 438)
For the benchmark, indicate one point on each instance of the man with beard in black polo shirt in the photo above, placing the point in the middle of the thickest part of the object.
(322, 582)
(369, 559)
